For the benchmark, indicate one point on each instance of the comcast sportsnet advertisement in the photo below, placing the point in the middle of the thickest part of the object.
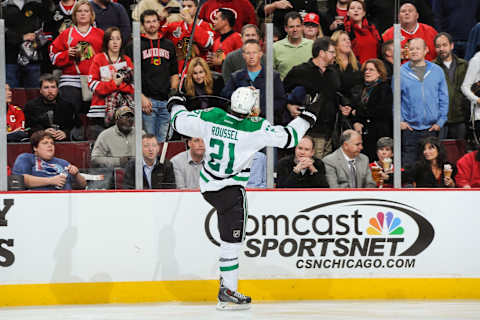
(361, 235)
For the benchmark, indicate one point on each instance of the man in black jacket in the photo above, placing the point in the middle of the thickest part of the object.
(50, 112)
(157, 173)
(302, 170)
(316, 76)
(23, 23)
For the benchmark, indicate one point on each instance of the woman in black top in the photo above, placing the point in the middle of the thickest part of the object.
(433, 170)
(373, 115)
(351, 80)
(199, 81)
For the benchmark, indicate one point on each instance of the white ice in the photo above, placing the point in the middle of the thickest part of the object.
(292, 310)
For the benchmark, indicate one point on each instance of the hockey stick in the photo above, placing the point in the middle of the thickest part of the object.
(184, 68)
(189, 50)
(210, 96)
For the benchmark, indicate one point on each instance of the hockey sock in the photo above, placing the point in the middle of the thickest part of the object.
(229, 264)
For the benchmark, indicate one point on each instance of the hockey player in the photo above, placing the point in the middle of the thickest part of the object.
(231, 140)
(179, 33)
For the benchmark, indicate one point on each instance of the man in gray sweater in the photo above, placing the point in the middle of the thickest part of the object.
(187, 164)
(115, 145)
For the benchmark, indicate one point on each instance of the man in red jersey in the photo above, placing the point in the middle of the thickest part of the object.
(242, 9)
(411, 29)
(228, 41)
(179, 33)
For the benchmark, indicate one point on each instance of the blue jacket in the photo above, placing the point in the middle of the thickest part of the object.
(241, 78)
(424, 103)
(473, 42)
(456, 17)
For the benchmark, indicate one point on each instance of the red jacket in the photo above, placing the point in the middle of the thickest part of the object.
(366, 40)
(179, 33)
(15, 118)
(243, 10)
(468, 171)
(103, 87)
(92, 44)
(225, 44)
(423, 31)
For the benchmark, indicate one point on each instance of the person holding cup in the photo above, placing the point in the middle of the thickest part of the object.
(382, 169)
(336, 13)
(432, 170)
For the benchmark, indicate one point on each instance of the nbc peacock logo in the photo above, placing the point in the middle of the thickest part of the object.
(385, 224)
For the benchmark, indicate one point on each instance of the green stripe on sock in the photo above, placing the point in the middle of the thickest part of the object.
(229, 268)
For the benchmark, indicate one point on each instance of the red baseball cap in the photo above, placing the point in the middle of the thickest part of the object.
(312, 18)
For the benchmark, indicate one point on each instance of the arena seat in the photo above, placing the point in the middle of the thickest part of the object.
(455, 149)
(118, 176)
(77, 153)
(174, 147)
(20, 96)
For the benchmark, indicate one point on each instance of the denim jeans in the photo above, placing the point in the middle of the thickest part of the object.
(157, 121)
(23, 77)
(453, 131)
(411, 144)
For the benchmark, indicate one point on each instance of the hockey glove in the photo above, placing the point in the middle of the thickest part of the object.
(311, 110)
(176, 100)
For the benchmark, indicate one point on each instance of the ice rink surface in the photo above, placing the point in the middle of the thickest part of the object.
(292, 310)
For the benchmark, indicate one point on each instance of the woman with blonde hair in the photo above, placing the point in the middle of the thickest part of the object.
(351, 79)
(344, 53)
(200, 81)
(73, 51)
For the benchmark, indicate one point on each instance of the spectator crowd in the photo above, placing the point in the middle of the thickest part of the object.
(76, 56)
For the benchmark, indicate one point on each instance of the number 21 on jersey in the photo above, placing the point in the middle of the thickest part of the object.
(217, 156)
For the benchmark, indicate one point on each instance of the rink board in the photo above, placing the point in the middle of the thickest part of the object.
(121, 247)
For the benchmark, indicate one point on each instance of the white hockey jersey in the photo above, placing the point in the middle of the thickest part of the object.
(231, 142)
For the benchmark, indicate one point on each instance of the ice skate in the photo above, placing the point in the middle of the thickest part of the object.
(232, 300)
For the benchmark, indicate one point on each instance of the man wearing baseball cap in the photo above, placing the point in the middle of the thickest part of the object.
(312, 29)
(116, 145)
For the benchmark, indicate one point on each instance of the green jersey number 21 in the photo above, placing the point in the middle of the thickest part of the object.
(217, 157)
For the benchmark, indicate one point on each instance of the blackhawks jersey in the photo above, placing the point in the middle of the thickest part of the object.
(15, 118)
(231, 142)
(179, 33)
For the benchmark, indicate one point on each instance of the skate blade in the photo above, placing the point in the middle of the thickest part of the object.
(225, 306)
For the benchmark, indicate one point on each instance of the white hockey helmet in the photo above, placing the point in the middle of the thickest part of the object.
(243, 100)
